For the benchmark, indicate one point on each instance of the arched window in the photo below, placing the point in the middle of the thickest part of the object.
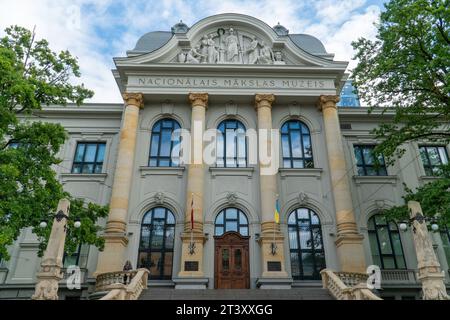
(156, 244)
(165, 149)
(385, 243)
(296, 145)
(231, 144)
(231, 219)
(306, 245)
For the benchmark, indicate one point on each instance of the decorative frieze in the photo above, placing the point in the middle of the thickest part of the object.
(230, 46)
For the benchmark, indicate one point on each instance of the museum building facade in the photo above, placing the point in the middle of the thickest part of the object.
(235, 222)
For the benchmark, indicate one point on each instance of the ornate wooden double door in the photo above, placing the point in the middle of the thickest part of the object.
(232, 269)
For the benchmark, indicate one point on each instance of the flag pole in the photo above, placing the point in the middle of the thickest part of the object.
(276, 219)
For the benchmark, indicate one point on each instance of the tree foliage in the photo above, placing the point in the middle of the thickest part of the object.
(406, 70)
(31, 76)
(434, 198)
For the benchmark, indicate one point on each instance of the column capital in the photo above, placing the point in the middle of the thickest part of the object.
(264, 100)
(135, 99)
(327, 102)
(199, 99)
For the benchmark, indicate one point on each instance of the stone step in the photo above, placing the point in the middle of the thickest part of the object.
(236, 294)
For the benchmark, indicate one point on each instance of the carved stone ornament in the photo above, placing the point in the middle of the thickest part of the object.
(302, 198)
(430, 275)
(135, 99)
(279, 58)
(434, 289)
(264, 100)
(230, 46)
(328, 102)
(231, 108)
(379, 204)
(159, 198)
(46, 290)
(232, 197)
(198, 99)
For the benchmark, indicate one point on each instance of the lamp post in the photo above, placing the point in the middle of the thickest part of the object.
(51, 264)
(430, 275)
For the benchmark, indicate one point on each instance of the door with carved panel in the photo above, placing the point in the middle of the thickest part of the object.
(232, 261)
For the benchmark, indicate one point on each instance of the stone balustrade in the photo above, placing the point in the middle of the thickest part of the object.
(347, 286)
(352, 278)
(399, 276)
(126, 285)
(105, 280)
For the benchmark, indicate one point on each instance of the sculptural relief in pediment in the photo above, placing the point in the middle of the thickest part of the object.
(231, 47)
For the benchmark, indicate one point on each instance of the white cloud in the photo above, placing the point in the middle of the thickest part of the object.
(336, 23)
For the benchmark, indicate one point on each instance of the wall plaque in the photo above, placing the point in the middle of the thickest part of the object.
(191, 266)
(273, 266)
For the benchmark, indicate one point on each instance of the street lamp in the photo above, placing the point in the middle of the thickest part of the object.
(58, 217)
(420, 219)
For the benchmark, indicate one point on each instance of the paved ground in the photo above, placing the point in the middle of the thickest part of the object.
(254, 294)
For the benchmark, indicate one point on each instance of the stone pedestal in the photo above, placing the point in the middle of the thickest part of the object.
(112, 257)
(50, 272)
(430, 274)
(191, 274)
(349, 242)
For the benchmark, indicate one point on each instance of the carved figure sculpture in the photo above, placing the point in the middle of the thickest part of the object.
(232, 47)
(253, 51)
(266, 54)
(213, 54)
(278, 58)
(204, 48)
(194, 56)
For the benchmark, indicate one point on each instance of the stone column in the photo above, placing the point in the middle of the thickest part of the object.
(50, 273)
(430, 274)
(192, 262)
(112, 257)
(349, 241)
(270, 231)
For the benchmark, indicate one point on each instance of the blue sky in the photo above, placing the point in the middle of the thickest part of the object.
(97, 30)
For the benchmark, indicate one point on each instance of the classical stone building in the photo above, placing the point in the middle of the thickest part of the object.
(195, 224)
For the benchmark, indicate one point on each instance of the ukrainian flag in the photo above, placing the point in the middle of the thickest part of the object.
(277, 211)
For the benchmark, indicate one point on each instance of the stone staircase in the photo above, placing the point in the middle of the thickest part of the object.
(304, 293)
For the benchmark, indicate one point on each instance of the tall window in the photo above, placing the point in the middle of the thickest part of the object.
(366, 164)
(231, 144)
(385, 243)
(89, 157)
(78, 258)
(296, 145)
(432, 158)
(231, 219)
(165, 144)
(156, 244)
(306, 244)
